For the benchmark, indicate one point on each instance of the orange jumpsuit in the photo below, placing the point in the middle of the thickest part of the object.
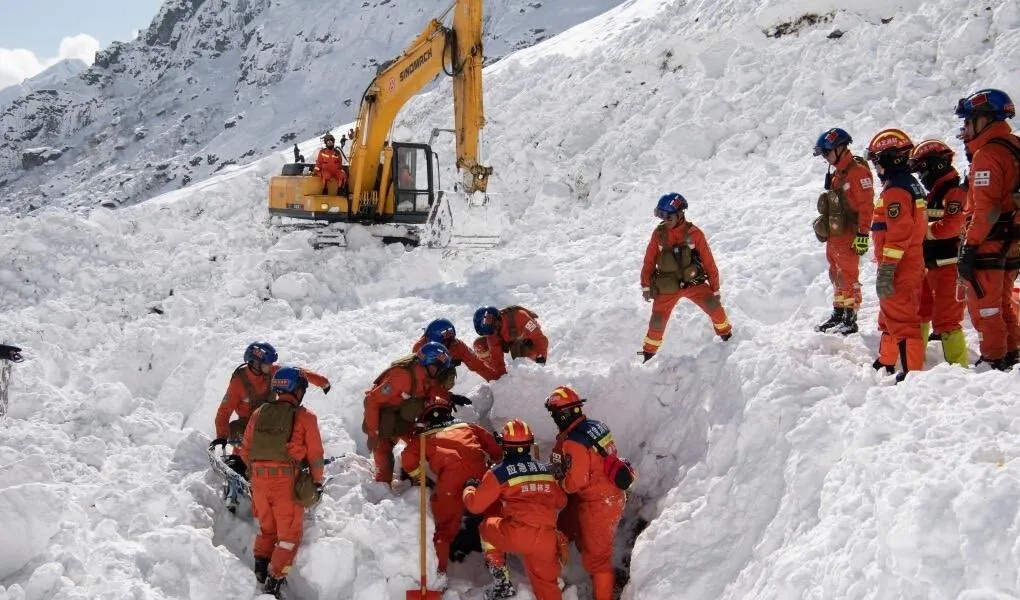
(515, 325)
(941, 247)
(460, 353)
(898, 229)
(854, 179)
(705, 295)
(455, 453)
(247, 390)
(396, 385)
(280, 517)
(329, 165)
(991, 213)
(595, 504)
(530, 499)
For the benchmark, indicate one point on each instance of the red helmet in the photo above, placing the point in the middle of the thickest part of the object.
(437, 410)
(562, 398)
(930, 155)
(890, 148)
(517, 433)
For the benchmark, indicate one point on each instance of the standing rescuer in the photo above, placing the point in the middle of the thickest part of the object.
(990, 255)
(679, 264)
(899, 229)
(932, 160)
(846, 208)
(329, 165)
(594, 502)
(281, 437)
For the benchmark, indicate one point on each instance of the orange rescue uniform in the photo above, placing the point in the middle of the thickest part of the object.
(455, 453)
(280, 517)
(329, 164)
(941, 246)
(518, 329)
(529, 499)
(594, 504)
(705, 295)
(854, 181)
(991, 217)
(398, 391)
(460, 353)
(898, 230)
(247, 390)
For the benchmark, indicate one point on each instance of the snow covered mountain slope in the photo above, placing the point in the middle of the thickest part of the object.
(776, 465)
(220, 82)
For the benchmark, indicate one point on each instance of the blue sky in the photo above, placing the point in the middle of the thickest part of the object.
(34, 34)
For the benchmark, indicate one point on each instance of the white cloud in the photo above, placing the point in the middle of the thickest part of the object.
(18, 64)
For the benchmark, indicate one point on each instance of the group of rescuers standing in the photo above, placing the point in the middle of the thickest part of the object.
(940, 249)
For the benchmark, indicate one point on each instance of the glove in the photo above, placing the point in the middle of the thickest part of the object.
(540, 360)
(471, 483)
(457, 362)
(884, 281)
(318, 491)
(218, 442)
(560, 467)
(965, 263)
(860, 244)
(646, 293)
(326, 388)
(459, 400)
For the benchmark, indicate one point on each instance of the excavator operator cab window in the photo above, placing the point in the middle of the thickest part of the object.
(413, 178)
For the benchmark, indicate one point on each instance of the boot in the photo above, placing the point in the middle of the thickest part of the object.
(1011, 358)
(834, 319)
(647, 355)
(878, 365)
(954, 347)
(261, 569)
(849, 323)
(501, 586)
(274, 586)
(726, 336)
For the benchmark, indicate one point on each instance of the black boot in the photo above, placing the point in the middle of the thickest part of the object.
(647, 355)
(849, 323)
(501, 586)
(261, 569)
(878, 366)
(834, 319)
(1011, 358)
(274, 586)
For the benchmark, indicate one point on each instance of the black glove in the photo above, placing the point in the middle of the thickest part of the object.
(965, 264)
(218, 442)
(471, 483)
(459, 400)
(326, 388)
(318, 492)
(457, 362)
(11, 353)
(540, 360)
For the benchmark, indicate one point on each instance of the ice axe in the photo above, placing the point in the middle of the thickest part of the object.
(422, 593)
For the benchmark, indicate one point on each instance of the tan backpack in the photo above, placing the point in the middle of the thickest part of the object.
(273, 429)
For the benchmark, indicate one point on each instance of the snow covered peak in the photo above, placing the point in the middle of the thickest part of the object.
(48, 78)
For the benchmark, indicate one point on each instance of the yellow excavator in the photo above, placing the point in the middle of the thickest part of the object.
(394, 187)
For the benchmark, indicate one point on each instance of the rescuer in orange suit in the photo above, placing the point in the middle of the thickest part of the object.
(530, 499)
(397, 398)
(932, 160)
(898, 230)
(455, 452)
(443, 332)
(850, 178)
(329, 164)
(514, 330)
(249, 388)
(595, 504)
(679, 264)
(990, 256)
(281, 436)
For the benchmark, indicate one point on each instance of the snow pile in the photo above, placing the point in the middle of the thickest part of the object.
(775, 465)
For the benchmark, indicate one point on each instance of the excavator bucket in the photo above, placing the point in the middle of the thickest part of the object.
(460, 220)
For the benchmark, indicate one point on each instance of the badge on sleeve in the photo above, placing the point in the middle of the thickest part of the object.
(982, 178)
(953, 208)
(866, 183)
(894, 210)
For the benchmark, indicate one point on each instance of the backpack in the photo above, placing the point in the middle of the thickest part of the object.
(618, 470)
(273, 429)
